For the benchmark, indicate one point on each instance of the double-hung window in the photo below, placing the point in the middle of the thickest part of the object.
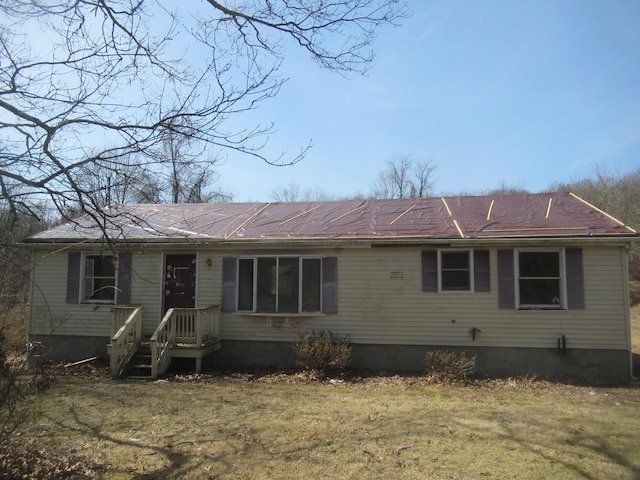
(540, 281)
(99, 279)
(456, 270)
(456, 273)
(279, 284)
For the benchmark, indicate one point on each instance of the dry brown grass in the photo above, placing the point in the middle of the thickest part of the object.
(13, 326)
(287, 426)
(294, 426)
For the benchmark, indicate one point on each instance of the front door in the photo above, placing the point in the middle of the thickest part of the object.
(179, 281)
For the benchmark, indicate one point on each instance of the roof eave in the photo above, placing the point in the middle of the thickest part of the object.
(613, 239)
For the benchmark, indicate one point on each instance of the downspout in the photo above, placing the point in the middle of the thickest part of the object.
(625, 280)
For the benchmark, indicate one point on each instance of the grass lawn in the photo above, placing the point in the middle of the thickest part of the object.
(281, 426)
(245, 426)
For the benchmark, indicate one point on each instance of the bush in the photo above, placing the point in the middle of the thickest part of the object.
(449, 366)
(322, 351)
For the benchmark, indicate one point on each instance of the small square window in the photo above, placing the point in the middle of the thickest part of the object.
(455, 271)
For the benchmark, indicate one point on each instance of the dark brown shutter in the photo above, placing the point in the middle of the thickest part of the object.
(429, 270)
(123, 296)
(73, 277)
(330, 285)
(575, 278)
(228, 284)
(506, 292)
(481, 271)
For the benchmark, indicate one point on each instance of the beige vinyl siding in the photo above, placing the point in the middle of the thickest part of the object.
(209, 280)
(147, 287)
(376, 309)
(51, 314)
(372, 307)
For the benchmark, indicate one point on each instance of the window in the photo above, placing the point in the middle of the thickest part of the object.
(539, 279)
(99, 278)
(451, 270)
(455, 271)
(279, 284)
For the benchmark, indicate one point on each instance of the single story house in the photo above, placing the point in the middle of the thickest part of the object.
(529, 283)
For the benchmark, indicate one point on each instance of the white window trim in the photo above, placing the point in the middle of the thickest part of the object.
(563, 279)
(254, 299)
(471, 272)
(83, 281)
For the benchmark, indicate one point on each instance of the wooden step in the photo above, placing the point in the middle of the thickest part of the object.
(140, 364)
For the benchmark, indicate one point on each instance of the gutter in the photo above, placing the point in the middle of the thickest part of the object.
(613, 240)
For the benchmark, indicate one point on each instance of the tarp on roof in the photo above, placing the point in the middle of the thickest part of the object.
(504, 216)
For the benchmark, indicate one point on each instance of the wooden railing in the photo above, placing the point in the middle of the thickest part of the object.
(119, 315)
(126, 339)
(191, 327)
(161, 341)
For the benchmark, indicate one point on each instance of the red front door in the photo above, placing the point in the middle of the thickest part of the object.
(179, 281)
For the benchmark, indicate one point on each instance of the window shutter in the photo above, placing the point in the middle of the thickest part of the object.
(330, 285)
(481, 272)
(575, 278)
(429, 270)
(73, 277)
(506, 293)
(228, 284)
(123, 296)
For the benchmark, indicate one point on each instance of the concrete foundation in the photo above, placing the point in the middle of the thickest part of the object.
(593, 365)
(68, 347)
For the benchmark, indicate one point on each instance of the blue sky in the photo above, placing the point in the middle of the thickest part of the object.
(523, 93)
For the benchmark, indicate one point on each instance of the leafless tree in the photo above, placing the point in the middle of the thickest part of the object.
(616, 193)
(187, 175)
(294, 192)
(100, 83)
(619, 195)
(405, 177)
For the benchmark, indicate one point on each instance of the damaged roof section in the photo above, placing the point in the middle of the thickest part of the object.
(466, 217)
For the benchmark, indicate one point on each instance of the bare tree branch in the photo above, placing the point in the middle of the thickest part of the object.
(405, 177)
(95, 85)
